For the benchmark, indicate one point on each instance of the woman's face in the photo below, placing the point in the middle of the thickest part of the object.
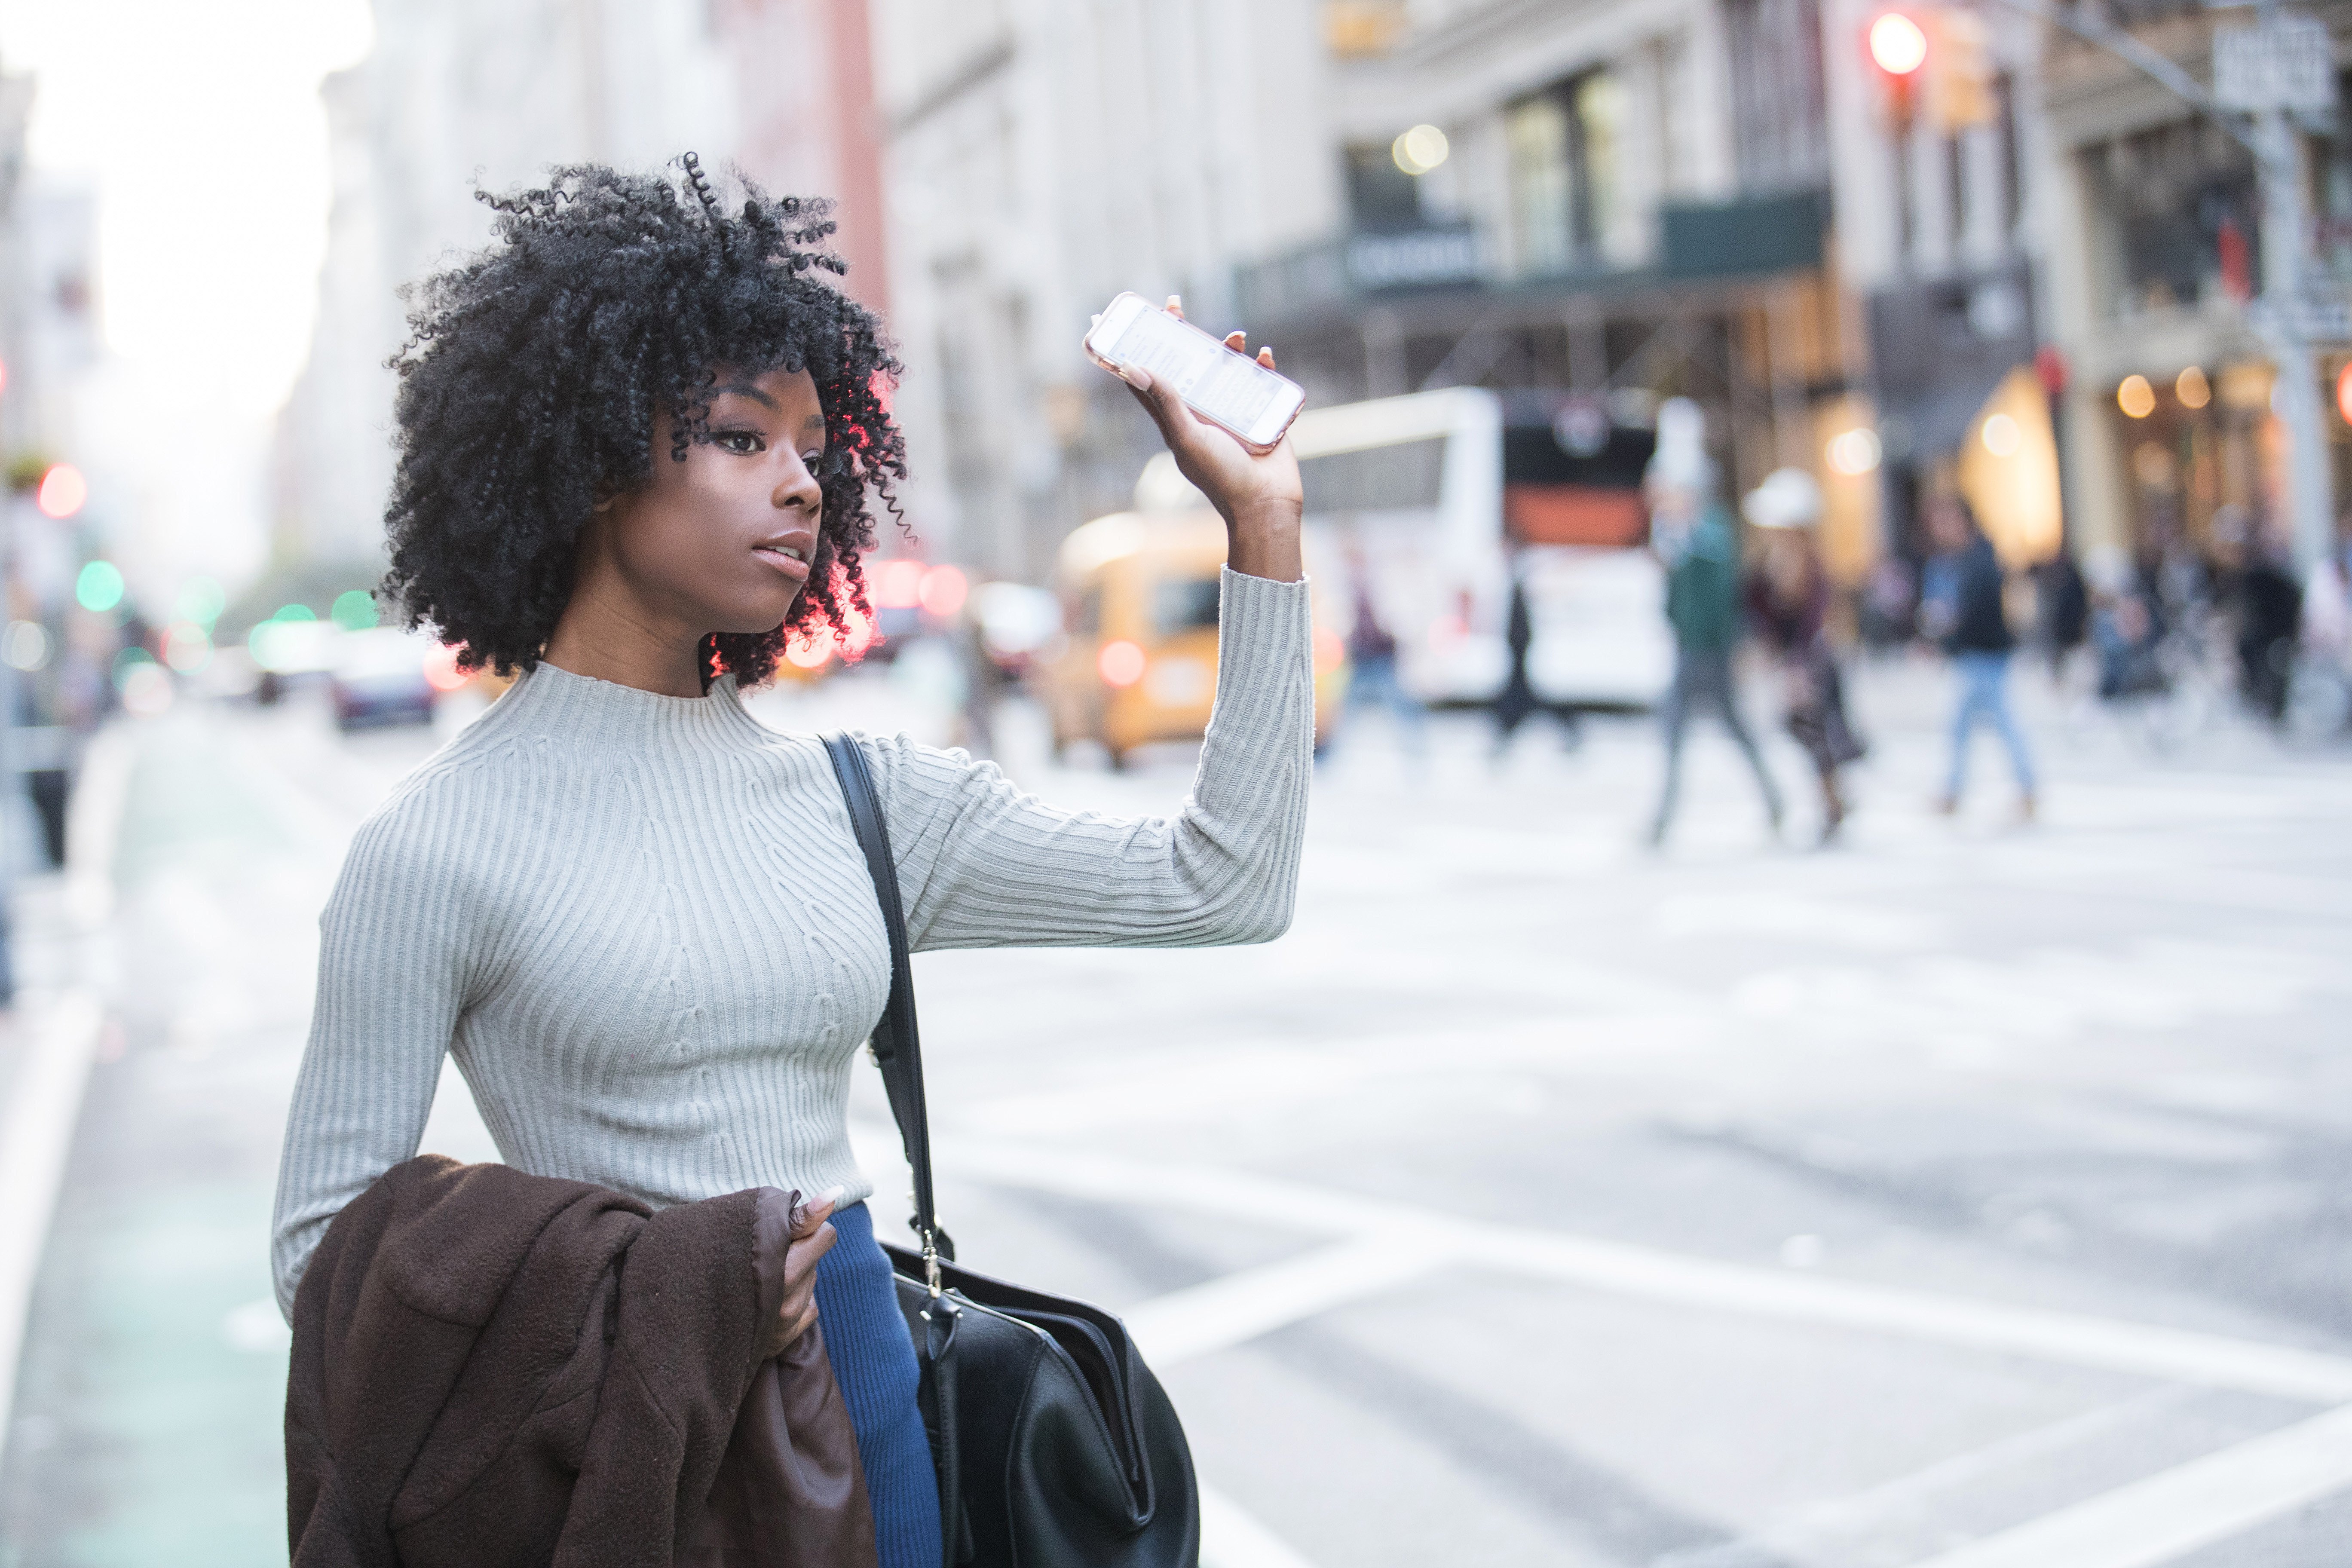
(722, 541)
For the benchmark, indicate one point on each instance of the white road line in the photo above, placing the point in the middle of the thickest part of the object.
(41, 1104)
(2181, 1355)
(2145, 1350)
(36, 1127)
(2176, 1511)
(1230, 1537)
(96, 826)
(1240, 1306)
(1818, 1531)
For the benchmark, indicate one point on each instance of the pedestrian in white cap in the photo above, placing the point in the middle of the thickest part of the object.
(1788, 600)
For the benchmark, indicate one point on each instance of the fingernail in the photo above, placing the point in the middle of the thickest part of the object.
(1136, 376)
(1175, 301)
(831, 1195)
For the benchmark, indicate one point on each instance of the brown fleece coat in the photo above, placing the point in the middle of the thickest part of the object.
(496, 1368)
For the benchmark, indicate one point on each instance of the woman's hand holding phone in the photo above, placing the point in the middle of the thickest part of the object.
(1257, 493)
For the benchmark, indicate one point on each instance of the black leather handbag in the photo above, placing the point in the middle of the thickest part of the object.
(1056, 1446)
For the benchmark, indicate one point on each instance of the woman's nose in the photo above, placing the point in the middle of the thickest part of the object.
(799, 487)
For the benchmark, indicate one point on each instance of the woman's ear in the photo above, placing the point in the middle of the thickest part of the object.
(605, 496)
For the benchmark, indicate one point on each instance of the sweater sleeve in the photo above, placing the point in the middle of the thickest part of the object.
(981, 864)
(393, 943)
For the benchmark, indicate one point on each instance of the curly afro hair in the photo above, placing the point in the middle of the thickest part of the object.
(536, 368)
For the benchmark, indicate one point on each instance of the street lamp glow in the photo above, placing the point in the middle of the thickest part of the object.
(63, 491)
(100, 587)
(354, 611)
(1853, 453)
(1120, 663)
(2191, 387)
(2136, 397)
(1897, 43)
(2001, 437)
(810, 650)
(1419, 150)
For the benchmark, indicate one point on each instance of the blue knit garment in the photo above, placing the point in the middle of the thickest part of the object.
(874, 1360)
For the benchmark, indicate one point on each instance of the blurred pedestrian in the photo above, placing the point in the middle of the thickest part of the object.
(1692, 537)
(1963, 610)
(643, 439)
(1517, 698)
(2270, 618)
(2062, 602)
(1372, 677)
(1787, 602)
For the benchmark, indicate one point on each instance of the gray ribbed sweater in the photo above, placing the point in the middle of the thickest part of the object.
(642, 925)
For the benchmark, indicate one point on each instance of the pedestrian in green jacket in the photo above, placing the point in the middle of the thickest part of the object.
(1692, 535)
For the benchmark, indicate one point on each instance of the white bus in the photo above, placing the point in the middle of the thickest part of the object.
(1442, 496)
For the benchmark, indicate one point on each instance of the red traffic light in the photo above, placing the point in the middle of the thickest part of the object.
(1898, 46)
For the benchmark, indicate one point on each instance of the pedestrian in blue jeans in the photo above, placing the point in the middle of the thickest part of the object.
(1961, 607)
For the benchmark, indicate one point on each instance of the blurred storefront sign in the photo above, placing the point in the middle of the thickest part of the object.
(1436, 256)
(1415, 258)
(2285, 62)
(1743, 239)
(1938, 351)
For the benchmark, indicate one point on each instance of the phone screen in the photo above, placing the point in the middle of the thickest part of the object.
(1234, 390)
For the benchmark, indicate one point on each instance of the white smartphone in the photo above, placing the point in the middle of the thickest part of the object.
(1225, 388)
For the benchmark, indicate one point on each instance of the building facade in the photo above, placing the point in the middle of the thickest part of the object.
(2158, 245)
(1040, 156)
(459, 95)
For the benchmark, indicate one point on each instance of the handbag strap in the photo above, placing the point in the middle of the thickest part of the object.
(897, 1045)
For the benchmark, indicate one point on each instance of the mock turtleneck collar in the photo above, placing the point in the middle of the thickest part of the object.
(605, 712)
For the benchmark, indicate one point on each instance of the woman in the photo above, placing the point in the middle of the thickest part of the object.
(636, 437)
(1788, 601)
(1961, 609)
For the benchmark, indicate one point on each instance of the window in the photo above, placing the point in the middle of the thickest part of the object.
(1776, 106)
(1184, 606)
(2012, 161)
(1537, 130)
(1377, 479)
(1382, 197)
(1600, 112)
(2182, 215)
(1563, 145)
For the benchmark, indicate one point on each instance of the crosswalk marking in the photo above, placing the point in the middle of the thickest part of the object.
(2175, 1512)
(2147, 1349)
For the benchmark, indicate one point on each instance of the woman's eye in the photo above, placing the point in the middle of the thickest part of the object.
(742, 442)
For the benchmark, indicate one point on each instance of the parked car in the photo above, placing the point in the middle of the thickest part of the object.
(1138, 662)
(383, 676)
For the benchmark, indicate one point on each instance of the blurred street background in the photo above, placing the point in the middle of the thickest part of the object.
(1833, 1160)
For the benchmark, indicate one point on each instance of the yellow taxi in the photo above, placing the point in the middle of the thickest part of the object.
(1139, 665)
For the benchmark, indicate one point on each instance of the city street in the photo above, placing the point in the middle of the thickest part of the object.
(1969, 1194)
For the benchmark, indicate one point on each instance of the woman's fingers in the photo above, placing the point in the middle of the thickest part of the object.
(1176, 306)
(1264, 355)
(1160, 400)
(797, 1310)
(806, 1218)
(1238, 341)
(815, 1245)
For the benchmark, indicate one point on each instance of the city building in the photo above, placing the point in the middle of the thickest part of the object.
(1040, 156)
(455, 97)
(1595, 203)
(2157, 248)
(1941, 214)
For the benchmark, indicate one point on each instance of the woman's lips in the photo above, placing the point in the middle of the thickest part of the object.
(790, 565)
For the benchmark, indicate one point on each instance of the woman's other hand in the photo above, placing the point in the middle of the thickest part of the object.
(812, 1240)
(1257, 493)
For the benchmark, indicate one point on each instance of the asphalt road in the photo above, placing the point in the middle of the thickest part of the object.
(1969, 1194)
